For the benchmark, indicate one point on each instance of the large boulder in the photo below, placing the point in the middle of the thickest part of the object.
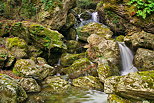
(32, 68)
(144, 59)
(139, 85)
(88, 82)
(94, 28)
(118, 14)
(140, 39)
(80, 67)
(51, 13)
(11, 91)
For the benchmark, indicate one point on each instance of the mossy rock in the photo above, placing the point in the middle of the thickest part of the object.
(81, 67)
(67, 59)
(3, 57)
(120, 38)
(11, 91)
(32, 68)
(88, 82)
(93, 28)
(139, 85)
(113, 98)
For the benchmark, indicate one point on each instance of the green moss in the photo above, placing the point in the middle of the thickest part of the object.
(120, 38)
(117, 99)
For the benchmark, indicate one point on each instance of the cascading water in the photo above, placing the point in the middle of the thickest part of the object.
(95, 17)
(127, 59)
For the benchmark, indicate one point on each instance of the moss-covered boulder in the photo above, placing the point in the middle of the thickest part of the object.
(56, 84)
(139, 85)
(144, 59)
(118, 14)
(81, 67)
(120, 38)
(71, 35)
(3, 57)
(30, 85)
(11, 91)
(88, 82)
(113, 98)
(17, 47)
(67, 59)
(32, 68)
(93, 28)
(140, 39)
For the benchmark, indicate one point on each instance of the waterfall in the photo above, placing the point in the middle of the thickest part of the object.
(127, 59)
(95, 17)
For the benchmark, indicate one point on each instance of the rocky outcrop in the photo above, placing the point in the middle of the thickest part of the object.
(140, 40)
(11, 91)
(120, 16)
(88, 82)
(51, 13)
(30, 85)
(93, 28)
(34, 68)
(144, 59)
(137, 85)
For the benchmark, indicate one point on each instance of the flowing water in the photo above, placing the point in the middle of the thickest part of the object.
(127, 59)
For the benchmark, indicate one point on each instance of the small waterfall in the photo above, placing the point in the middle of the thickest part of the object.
(127, 59)
(95, 17)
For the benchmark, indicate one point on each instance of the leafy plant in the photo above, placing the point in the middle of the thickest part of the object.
(144, 7)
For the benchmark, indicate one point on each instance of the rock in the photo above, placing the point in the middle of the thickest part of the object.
(32, 68)
(11, 91)
(67, 59)
(52, 15)
(86, 15)
(34, 51)
(143, 59)
(56, 84)
(112, 98)
(88, 82)
(81, 67)
(120, 38)
(137, 85)
(140, 39)
(73, 46)
(71, 35)
(118, 14)
(84, 4)
(10, 61)
(93, 28)
(3, 57)
(17, 47)
(30, 85)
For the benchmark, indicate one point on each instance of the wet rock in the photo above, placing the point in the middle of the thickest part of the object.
(30, 85)
(93, 28)
(143, 59)
(137, 85)
(86, 15)
(56, 84)
(3, 57)
(112, 98)
(81, 67)
(88, 82)
(140, 39)
(67, 59)
(32, 68)
(11, 91)
(17, 47)
(119, 15)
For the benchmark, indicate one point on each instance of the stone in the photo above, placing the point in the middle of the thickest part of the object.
(73, 46)
(113, 98)
(88, 82)
(30, 85)
(94, 28)
(143, 59)
(32, 68)
(139, 85)
(11, 91)
(3, 57)
(86, 15)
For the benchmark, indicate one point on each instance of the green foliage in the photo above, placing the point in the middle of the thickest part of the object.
(144, 7)
(50, 4)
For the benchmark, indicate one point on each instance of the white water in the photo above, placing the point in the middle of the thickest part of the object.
(95, 17)
(127, 59)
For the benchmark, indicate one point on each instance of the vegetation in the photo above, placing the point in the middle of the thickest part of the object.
(144, 7)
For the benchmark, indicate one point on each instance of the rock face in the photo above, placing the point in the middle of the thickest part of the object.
(30, 85)
(144, 59)
(56, 84)
(88, 82)
(118, 15)
(11, 91)
(139, 85)
(93, 28)
(140, 39)
(52, 13)
(32, 68)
